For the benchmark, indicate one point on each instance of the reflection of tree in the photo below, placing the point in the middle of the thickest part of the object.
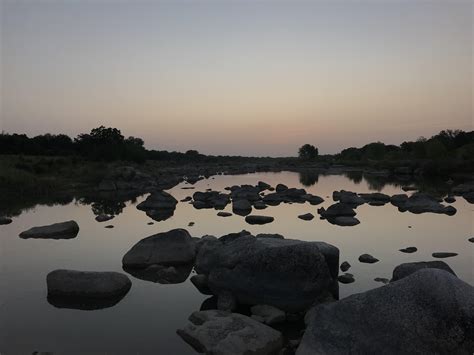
(308, 178)
(108, 207)
(355, 176)
(375, 182)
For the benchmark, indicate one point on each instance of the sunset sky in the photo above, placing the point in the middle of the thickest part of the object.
(238, 77)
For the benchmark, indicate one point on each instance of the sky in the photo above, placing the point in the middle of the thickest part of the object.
(238, 77)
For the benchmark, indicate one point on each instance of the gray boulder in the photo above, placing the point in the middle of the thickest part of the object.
(87, 284)
(175, 247)
(368, 259)
(406, 269)
(222, 333)
(63, 230)
(254, 219)
(252, 269)
(428, 312)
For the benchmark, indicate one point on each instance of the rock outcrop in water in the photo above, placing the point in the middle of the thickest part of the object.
(422, 203)
(63, 230)
(159, 205)
(406, 269)
(284, 273)
(5, 220)
(223, 333)
(430, 311)
(86, 289)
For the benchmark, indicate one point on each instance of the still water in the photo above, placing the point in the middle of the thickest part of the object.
(145, 321)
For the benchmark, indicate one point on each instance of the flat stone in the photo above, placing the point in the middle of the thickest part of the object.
(346, 278)
(63, 230)
(443, 255)
(224, 214)
(408, 250)
(104, 217)
(254, 219)
(222, 333)
(306, 216)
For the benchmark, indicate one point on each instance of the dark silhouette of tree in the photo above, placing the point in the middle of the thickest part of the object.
(308, 152)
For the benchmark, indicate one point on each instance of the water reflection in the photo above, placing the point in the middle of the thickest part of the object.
(355, 176)
(83, 304)
(309, 178)
(162, 274)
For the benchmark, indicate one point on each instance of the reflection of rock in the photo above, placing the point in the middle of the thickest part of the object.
(403, 270)
(175, 247)
(222, 333)
(5, 220)
(428, 312)
(63, 230)
(254, 219)
(344, 221)
(346, 278)
(162, 274)
(86, 289)
(252, 270)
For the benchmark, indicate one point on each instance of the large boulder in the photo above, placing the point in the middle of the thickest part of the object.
(223, 333)
(428, 312)
(406, 269)
(175, 247)
(252, 270)
(63, 230)
(86, 290)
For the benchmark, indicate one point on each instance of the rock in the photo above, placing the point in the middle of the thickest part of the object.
(263, 185)
(403, 170)
(110, 226)
(376, 198)
(223, 333)
(345, 266)
(259, 205)
(269, 235)
(450, 199)
(406, 269)
(241, 207)
(63, 230)
(186, 199)
(382, 280)
(252, 270)
(469, 197)
(471, 239)
(107, 185)
(443, 255)
(269, 314)
(368, 259)
(464, 188)
(226, 301)
(254, 219)
(281, 188)
(344, 221)
(163, 274)
(104, 217)
(422, 203)
(210, 199)
(245, 192)
(313, 199)
(336, 210)
(409, 250)
(428, 312)
(306, 217)
(398, 199)
(409, 188)
(150, 223)
(346, 278)
(224, 214)
(81, 289)
(158, 200)
(190, 224)
(348, 197)
(5, 220)
(200, 282)
(175, 247)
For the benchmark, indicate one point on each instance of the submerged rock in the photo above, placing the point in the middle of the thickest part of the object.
(86, 289)
(368, 259)
(223, 333)
(428, 312)
(63, 230)
(224, 214)
(406, 269)
(175, 247)
(471, 239)
(254, 219)
(252, 270)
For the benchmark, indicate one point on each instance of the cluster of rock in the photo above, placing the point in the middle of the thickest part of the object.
(129, 178)
(420, 202)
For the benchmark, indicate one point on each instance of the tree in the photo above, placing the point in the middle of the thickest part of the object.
(308, 152)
